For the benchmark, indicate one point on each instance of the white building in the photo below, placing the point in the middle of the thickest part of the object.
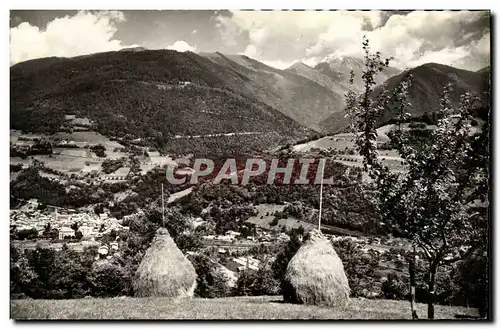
(103, 250)
(224, 238)
(86, 230)
(249, 262)
(65, 231)
(197, 222)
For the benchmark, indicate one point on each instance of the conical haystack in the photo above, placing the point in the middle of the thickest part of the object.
(315, 275)
(164, 270)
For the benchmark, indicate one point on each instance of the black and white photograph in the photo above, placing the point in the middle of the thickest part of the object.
(285, 164)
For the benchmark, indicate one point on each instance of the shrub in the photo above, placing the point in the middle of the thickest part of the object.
(28, 234)
(110, 166)
(257, 283)
(290, 248)
(99, 150)
(359, 267)
(16, 167)
(211, 283)
(109, 279)
(396, 286)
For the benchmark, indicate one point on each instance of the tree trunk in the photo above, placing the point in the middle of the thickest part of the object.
(432, 281)
(414, 315)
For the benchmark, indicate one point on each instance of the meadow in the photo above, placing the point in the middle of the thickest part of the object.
(261, 307)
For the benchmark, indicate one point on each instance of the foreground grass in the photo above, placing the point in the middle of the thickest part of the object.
(265, 307)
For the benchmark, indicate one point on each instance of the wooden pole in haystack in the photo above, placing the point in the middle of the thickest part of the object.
(321, 194)
(162, 207)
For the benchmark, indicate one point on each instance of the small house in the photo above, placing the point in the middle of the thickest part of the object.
(66, 231)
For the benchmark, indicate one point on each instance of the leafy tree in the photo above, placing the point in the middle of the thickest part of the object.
(29, 234)
(395, 287)
(429, 203)
(78, 235)
(109, 237)
(99, 150)
(211, 283)
(290, 249)
(50, 233)
(74, 226)
(109, 279)
(244, 283)
(16, 167)
(99, 209)
(109, 166)
(23, 279)
(358, 266)
(265, 283)
(189, 241)
(472, 278)
(257, 283)
(68, 275)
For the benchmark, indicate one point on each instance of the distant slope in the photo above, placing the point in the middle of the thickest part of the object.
(145, 94)
(301, 98)
(427, 86)
(339, 86)
(339, 70)
(334, 74)
(426, 90)
(486, 69)
(33, 65)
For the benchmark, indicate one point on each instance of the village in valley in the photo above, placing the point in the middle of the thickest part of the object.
(105, 175)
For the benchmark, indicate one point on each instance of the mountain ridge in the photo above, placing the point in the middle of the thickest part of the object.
(427, 83)
(146, 94)
(300, 99)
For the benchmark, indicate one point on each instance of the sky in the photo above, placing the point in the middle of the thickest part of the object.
(277, 38)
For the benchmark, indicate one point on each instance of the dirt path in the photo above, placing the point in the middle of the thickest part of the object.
(173, 197)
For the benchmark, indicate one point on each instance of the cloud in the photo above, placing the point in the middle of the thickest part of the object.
(478, 55)
(182, 46)
(81, 34)
(132, 46)
(426, 36)
(279, 64)
(447, 37)
(284, 35)
(252, 52)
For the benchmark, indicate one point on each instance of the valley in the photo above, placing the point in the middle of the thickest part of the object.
(92, 136)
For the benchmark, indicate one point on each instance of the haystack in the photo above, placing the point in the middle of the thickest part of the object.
(164, 270)
(315, 275)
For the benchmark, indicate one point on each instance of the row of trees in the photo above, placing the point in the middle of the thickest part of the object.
(44, 273)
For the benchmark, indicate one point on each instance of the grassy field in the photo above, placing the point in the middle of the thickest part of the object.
(347, 140)
(265, 307)
(265, 216)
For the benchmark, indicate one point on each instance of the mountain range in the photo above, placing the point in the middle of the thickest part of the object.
(425, 92)
(151, 93)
